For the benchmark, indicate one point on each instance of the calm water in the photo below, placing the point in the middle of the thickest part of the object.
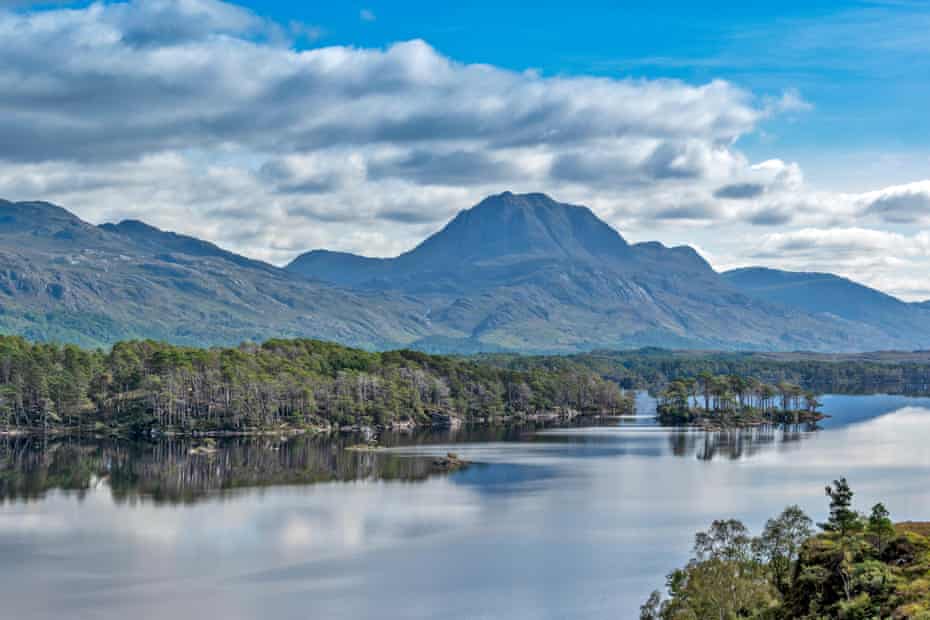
(549, 523)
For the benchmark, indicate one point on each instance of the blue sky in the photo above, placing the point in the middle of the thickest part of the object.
(865, 66)
(790, 134)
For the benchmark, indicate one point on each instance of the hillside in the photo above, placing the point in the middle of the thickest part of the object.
(832, 295)
(63, 279)
(514, 273)
(524, 272)
(858, 566)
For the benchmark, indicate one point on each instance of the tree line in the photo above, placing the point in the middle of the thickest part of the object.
(707, 394)
(858, 567)
(147, 384)
(653, 369)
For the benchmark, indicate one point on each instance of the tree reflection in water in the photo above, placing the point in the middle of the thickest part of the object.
(180, 470)
(735, 444)
(167, 471)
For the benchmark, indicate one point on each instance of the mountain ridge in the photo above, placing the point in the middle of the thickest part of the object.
(826, 293)
(679, 292)
(63, 279)
(515, 272)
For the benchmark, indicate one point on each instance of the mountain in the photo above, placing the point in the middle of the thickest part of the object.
(831, 295)
(502, 238)
(513, 273)
(527, 273)
(64, 279)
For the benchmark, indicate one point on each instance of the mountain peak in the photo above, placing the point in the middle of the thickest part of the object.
(156, 240)
(36, 212)
(55, 225)
(521, 226)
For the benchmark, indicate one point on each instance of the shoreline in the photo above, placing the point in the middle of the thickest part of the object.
(406, 426)
(724, 421)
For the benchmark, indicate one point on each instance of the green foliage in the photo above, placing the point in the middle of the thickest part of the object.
(732, 400)
(724, 579)
(655, 369)
(879, 526)
(843, 519)
(780, 544)
(148, 384)
(850, 571)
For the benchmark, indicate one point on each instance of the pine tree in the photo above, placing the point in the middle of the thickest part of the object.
(843, 519)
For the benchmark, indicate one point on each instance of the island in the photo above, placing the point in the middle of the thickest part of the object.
(726, 401)
(277, 387)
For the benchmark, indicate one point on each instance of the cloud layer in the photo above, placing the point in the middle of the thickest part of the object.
(202, 117)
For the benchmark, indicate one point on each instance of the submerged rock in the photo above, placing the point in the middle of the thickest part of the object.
(449, 462)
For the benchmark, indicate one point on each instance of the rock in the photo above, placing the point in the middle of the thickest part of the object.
(450, 462)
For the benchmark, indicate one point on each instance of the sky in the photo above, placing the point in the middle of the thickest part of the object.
(792, 135)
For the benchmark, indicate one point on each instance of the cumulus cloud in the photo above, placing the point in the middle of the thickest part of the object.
(900, 204)
(883, 259)
(203, 117)
(187, 112)
(693, 211)
(123, 80)
(845, 242)
(740, 191)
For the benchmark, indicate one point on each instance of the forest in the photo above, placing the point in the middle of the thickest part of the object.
(144, 385)
(654, 369)
(735, 400)
(857, 567)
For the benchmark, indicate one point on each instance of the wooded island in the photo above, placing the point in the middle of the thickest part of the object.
(731, 400)
(145, 386)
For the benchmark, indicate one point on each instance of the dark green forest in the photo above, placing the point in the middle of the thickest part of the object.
(654, 369)
(735, 400)
(143, 385)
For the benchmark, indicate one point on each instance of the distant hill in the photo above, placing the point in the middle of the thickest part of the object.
(832, 295)
(524, 272)
(515, 272)
(63, 279)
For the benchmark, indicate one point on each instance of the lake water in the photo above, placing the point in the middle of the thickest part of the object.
(547, 523)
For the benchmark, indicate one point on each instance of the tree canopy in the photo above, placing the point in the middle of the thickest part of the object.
(300, 382)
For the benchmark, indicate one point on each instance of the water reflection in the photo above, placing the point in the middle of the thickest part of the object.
(575, 522)
(168, 470)
(735, 444)
(174, 471)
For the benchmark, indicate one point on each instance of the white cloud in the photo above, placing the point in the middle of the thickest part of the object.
(882, 259)
(900, 204)
(195, 113)
(367, 15)
(199, 116)
(846, 242)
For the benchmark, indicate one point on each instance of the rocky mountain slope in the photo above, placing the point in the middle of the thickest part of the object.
(515, 272)
(524, 272)
(66, 280)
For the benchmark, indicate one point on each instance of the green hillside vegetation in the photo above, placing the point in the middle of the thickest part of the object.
(858, 567)
(651, 368)
(731, 400)
(143, 385)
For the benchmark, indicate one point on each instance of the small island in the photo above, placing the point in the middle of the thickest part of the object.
(715, 402)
